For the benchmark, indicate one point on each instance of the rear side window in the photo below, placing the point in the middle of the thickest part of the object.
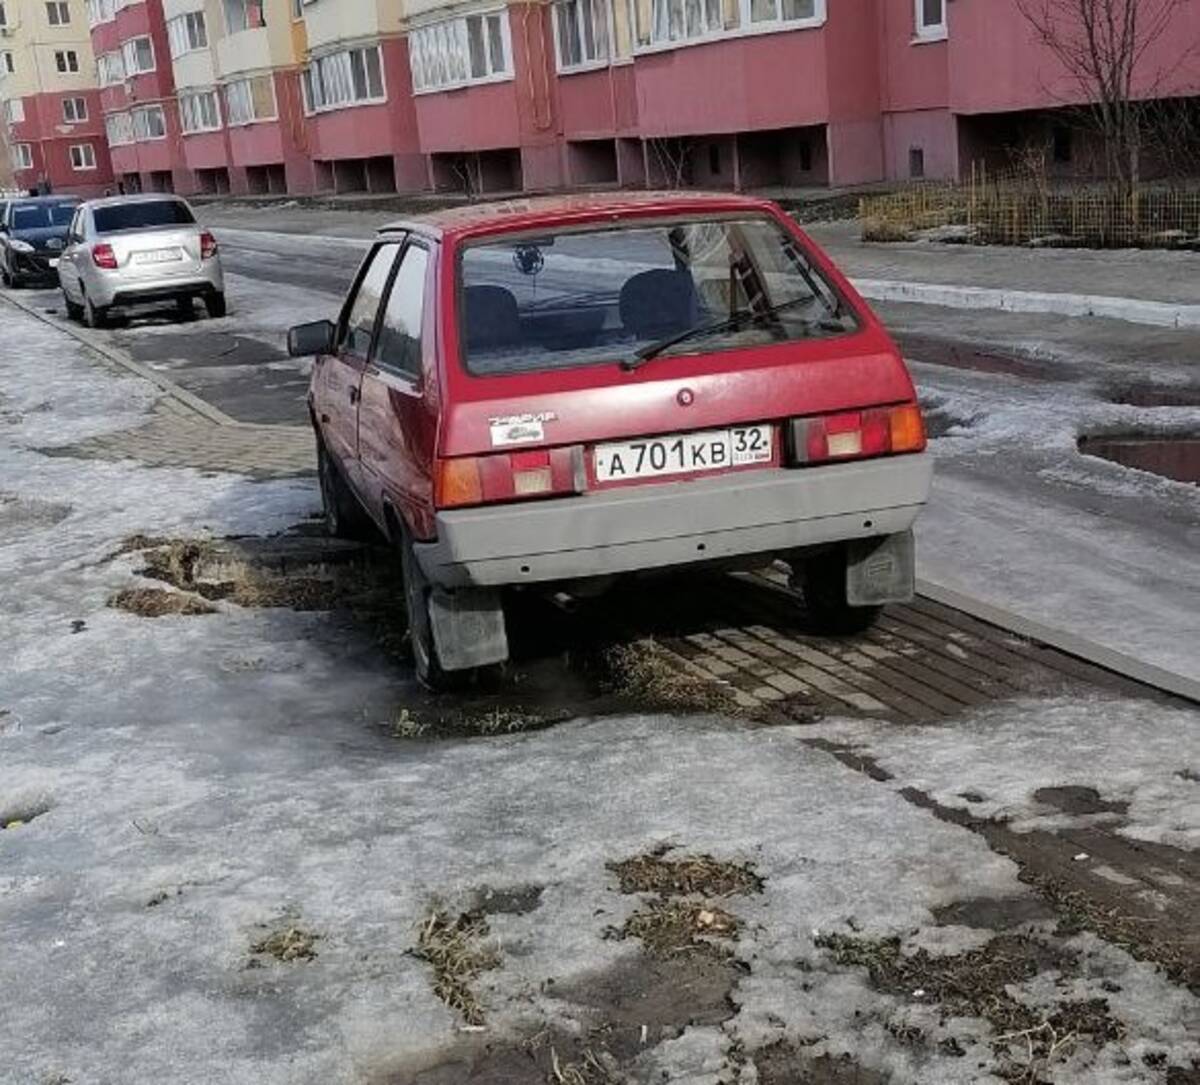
(41, 216)
(576, 298)
(141, 216)
(399, 345)
(364, 308)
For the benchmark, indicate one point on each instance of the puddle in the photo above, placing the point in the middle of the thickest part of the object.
(933, 351)
(1176, 458)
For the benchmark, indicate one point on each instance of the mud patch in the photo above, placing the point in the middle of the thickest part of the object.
(1175, 458)
(994, 913)
(1079, 800)
(958, 355)
(515, 900)
(785, 1064)
(158, 603)
(458, 950)
(1154, 395)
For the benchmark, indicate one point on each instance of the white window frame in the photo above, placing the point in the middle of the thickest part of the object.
(333, 75)
(124, 129)
(188, 114)
(746, 26)
(14, 111)
(231, 113)
(66, 55)
(604, 56)
(129, 56)
(146, 111)
(439, 53)
(924, 32)
(100, 11)
(58, 12)
(22, 156)
(229, 29)
(187, 33)
(86, 158)
(74, 115)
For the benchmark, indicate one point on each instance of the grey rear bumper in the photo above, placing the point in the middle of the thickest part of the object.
(676, 523)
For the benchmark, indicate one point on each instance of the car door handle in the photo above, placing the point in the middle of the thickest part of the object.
(354, 395)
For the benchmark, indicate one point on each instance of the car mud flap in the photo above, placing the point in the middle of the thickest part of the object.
(468, 628)
(881, 570)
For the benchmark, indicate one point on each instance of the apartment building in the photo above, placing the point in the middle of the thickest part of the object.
(52, 115)
(300, 96)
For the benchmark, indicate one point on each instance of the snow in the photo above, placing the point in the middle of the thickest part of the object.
(241, 764)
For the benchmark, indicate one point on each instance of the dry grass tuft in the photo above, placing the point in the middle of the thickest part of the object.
(669, 927)
(698, 874)
(649, 674)
(289, 944)
(883, 230)
(158, 602)
(588, 1070)
(457, 950)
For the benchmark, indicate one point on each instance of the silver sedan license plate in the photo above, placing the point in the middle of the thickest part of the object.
(156, 256)
(683, 454)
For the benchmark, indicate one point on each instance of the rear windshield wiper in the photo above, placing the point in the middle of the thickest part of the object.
(735, 320)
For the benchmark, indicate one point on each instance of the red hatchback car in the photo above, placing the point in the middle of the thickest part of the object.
(564, 390)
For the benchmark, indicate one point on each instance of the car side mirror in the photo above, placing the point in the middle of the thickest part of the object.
(314, 338)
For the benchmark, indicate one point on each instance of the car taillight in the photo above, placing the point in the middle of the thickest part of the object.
(511, 476)
(856, 435)
(208, 246)
(103, 256)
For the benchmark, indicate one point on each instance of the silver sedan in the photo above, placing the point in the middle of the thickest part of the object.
(138, 250)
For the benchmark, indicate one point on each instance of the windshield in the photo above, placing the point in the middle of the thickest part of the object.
(42, 216)
(576, 298)
(141, 215)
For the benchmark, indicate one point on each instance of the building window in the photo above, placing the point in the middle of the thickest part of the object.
(352, 77)
(22, 156)
(100, 11)
(662, 23)
(187, 33)
(250, 100)
(119, 129)
(931, 19)
(1061, 144)
(58, 12)
(916, 163)
(110, 69)
(244, 15)
(581, 33)
(83, 157)
(149, 123)
(6, 63)
(14, 110)
(138, 54)
(199, 112)
(3, 15)
(66, 60)
(472, 49)
(297, 9)
(74, 110)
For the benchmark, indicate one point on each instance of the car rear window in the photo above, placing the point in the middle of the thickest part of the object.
(141, 216)
(42, 216)
(575, 298)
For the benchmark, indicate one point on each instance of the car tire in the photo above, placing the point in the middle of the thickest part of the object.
(74, 311)
(214, 305)
(344, 516)
(5, 277)
(417, 590)
(94, 316)
(822, 580)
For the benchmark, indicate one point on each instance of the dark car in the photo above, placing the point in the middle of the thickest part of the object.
(33, 234)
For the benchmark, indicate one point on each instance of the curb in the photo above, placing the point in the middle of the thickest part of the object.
(1127, 666)
(1160, 314)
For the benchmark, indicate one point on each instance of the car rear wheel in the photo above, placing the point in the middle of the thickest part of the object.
(94, 316)
(417, 591)
(74, 310)
(5, 277)
(822, 580)
(214, 305)
(344, 516)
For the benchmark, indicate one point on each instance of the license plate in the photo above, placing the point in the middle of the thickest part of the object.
(156, 256)
(683, 454)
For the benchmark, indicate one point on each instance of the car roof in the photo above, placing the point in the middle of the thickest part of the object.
(141, 197)
(43, 199)
(512, 216)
